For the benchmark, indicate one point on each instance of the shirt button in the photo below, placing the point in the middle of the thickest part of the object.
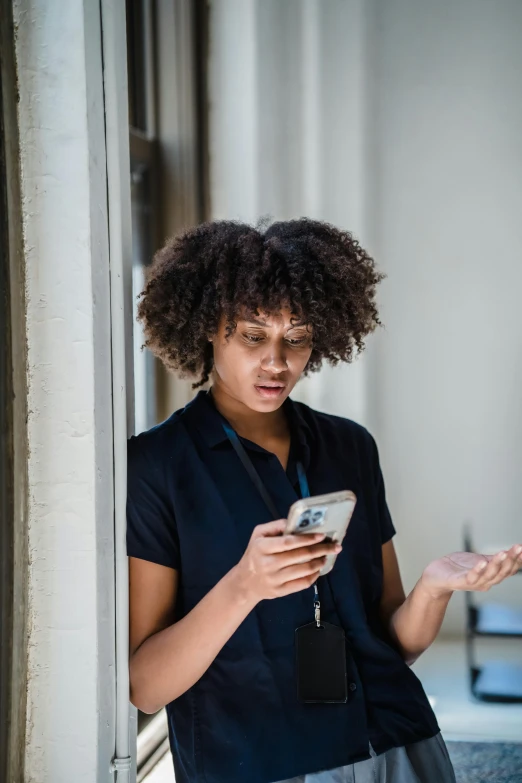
(353, 686)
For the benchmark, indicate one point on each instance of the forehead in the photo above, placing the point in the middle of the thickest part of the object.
(285, 316)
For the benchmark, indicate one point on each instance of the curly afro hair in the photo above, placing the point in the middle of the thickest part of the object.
(224, 268)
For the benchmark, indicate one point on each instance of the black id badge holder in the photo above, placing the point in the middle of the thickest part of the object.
(321, 660)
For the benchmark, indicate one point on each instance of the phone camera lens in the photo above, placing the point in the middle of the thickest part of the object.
(304, 522)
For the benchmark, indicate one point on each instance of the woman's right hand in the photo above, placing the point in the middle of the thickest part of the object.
(169, 655)
(275, 564)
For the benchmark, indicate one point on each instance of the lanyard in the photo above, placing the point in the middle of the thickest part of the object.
(256, 479)
(254, 475)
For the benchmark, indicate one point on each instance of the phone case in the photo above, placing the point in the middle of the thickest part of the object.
(329, 514)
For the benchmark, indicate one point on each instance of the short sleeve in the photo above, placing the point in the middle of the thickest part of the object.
(386, 525)
(151, 526)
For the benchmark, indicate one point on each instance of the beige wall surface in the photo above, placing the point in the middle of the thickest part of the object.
(447, 231)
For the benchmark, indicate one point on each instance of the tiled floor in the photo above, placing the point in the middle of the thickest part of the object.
(486, 762)
(442, 670)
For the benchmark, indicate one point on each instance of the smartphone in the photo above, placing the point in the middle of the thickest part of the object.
(329, 514)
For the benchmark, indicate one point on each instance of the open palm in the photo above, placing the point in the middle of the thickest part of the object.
(470, 571)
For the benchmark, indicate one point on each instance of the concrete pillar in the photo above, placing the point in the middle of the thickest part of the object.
(70, 688)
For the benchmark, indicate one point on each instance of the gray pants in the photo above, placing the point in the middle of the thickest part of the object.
(426, 761)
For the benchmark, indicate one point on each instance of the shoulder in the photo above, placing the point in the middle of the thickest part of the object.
(342, 432)
(329, 424)
(154, 449)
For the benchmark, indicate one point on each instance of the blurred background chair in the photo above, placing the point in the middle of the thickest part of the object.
(494, 680)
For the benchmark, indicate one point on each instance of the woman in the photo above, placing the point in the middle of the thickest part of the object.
(217, 590)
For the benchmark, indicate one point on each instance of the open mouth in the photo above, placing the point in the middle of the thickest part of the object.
(269, 391)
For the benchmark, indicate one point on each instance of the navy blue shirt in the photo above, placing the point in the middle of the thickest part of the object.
(192, 506)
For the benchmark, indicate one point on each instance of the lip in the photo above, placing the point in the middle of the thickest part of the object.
(269, 391)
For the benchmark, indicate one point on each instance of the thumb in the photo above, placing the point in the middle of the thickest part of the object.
(274, 528)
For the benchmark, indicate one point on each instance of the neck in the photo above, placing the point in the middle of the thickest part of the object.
(247, 422)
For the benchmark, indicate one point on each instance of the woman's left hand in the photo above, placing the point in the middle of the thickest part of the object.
(469, 571)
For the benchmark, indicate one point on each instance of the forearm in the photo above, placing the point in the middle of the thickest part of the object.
(416, 623)
(171, 661)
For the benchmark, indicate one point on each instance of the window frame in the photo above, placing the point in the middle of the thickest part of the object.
(167, 54)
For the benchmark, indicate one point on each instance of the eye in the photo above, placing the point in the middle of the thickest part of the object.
(298, 341)
(252, 338)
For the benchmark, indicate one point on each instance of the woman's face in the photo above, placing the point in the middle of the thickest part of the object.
(263, 358)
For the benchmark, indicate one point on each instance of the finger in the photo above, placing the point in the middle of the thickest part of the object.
(475, 574)
(294, 585)
(306, 553)
(293, 572)
(493, 568)
(505, 569)
(290, 541)
(517, 559)
(513, 557)
(516, 553)
(274, 528)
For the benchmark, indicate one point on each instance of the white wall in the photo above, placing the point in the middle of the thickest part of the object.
(400, 120)
(447, 217)
(287, 131)
(70, 689)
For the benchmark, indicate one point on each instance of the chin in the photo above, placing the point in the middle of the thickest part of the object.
(266, 405)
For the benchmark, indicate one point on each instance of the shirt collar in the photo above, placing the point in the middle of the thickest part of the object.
(209, 423)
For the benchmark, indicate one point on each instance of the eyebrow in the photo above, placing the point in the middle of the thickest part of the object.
(259, 322)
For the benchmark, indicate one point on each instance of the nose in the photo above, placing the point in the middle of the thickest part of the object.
(274, 360)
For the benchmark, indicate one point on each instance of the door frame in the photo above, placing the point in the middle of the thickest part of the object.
(13, 428)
